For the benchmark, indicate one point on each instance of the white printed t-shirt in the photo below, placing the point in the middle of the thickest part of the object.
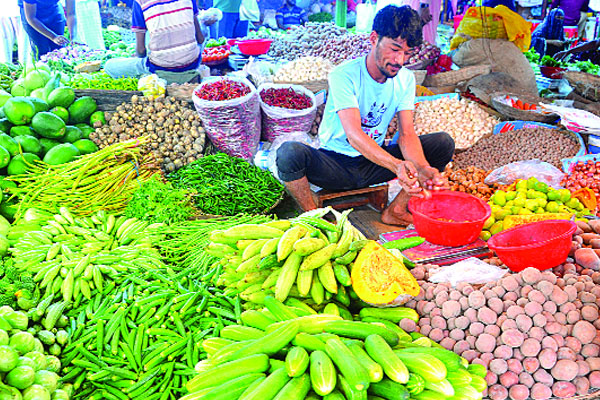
(351, 86)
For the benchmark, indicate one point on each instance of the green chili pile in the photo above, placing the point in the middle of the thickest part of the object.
(103, 81)
(156, 201)
(226, 185)
(8, 73)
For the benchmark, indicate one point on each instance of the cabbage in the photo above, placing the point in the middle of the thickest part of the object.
(36, 392)
(38, 358)
(3, 337)
(54, 364)
(26, 361)
(47, 379)
(21, 377)
(9, 358)
(23, 342)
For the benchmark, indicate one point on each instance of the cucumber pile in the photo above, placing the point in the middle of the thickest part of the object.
(306, 258)
(289, 353)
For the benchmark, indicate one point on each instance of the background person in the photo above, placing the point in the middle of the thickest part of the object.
(231, 26)
(575, 12)
(11, 32)
(290, 15)
(44, 21)
(549, 36)
(364, 96)
(173, 51)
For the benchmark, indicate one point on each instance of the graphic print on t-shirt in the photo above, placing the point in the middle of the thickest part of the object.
(373, 119)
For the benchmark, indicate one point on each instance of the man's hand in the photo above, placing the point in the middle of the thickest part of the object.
(407, 177)
(60, 40)
(431, 179)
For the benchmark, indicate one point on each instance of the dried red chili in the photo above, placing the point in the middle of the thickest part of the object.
(285, 98)
(221, 90)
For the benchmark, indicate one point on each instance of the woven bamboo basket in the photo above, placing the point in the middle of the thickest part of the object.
(108, 100)
(451, 78)
(313, 86)
(512, 113)
(586, 85)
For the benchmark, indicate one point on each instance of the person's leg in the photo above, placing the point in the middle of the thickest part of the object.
(22, 43)
(241, 28)
(7, 34)
(227, 25)
(299, 164)
(438, 149)
(126, 67)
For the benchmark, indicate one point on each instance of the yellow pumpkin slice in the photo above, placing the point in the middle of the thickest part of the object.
(380, 278)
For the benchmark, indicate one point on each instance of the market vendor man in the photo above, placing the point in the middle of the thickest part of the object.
(364, 96)
(174, 48)
(290, 15)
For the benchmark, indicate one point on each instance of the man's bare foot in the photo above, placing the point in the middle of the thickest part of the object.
(390, 218)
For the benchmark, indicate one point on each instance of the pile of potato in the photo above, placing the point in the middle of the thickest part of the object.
(536, 332)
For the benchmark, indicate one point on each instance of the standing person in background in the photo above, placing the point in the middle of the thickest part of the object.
(575, 12)
(429, 12)
(231, 26)
(175, 37)
(290, 15)
(44, 21)
(11, 31)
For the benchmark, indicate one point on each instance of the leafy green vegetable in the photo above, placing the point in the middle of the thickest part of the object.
(15, 285)
(320, 17)
(532, 56)
(587, 66)
(548, 61)
(158, 202)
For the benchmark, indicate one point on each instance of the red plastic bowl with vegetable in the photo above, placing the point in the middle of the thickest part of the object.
(552, 72)
(540, 245)
(449, 218)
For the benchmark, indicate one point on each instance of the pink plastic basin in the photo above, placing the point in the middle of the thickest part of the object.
(449, 218)
(254, 47)
(541, 245)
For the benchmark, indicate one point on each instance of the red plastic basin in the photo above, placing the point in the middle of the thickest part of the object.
(552, 72)
(449, 218)
(540, 245)
(254, 47)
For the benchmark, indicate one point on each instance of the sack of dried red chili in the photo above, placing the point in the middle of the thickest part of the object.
(230, 112)
(286, 109)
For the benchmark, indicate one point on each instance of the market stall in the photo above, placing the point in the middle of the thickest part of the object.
(149, 250)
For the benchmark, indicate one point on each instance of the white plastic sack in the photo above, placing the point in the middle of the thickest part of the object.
(278, 121)
(472, 270)
(233, 126)
(538, 169)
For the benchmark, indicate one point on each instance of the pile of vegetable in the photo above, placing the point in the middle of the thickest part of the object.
(8, 73)
(174, 131)
(535, 333)
(425, 52)
(225, 185)
(215, 54)
(156, 201)
(520, 104)
(290, 352)
(29, 372)
(111, 37)
(285, 98)
(222, 90)
(341, 48)
(103, 81)
(304, 69)
(546, 144)
(104, 180)
(320, 17)
(470, 180)
(222, 41)
(583, 175)
(464, 120)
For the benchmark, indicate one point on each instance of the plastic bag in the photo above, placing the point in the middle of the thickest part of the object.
(210, 16)
(493, 23)
(472, 270)
(277, 121)
(541, 170)
(152, 85)
(233, 126)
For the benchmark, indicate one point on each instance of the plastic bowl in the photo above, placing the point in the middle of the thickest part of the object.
(541, 245)
(254, 47)
(552, 72)
(449, 218)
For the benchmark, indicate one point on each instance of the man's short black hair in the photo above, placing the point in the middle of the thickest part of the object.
(399, 22)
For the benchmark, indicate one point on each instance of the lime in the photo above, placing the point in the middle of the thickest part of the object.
(542, 202)
(552, 207)
(553, 195)
(541, 187)
(531, 194)
(519, 202)
(500, 215)
(497, 227)
(565, 195)
(531, 204)
(525, 211)
(531, 183)
(511, 195)
(540, 210)
(499, 198)
(521, 185)
(495, 208)
(515, 210)
(489, 222)
(485, 235)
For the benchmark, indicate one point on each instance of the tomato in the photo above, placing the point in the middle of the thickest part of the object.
(520, 105)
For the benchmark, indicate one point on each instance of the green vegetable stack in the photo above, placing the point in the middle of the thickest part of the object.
(282, 353)
(29, 373)
(79, 257)
(307, 257)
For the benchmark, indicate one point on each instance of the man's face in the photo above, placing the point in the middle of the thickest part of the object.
(390, 54)
(291, 3)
